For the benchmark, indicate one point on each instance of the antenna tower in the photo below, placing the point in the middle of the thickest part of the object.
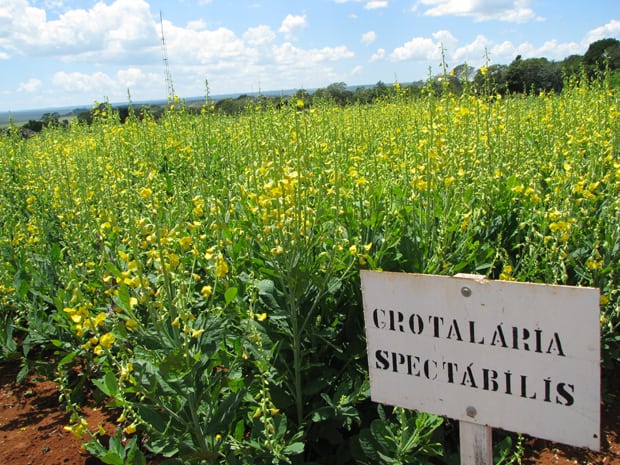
(164, 53)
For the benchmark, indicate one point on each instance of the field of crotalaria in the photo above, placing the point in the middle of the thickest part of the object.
(199, 275)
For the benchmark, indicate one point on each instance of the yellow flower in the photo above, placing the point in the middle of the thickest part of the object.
(197, 332)
(100, 319)
(131, 429)
(146, 193)
(278, 250)
(130, 325)
(126, 370)
(353, 249)
(221, 267)
(261, 316)
(206, 291)
(174, 260)
(77, 430)
(107, 340)
(484, 70)
(185, 242)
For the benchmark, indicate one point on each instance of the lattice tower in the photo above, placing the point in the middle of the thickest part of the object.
(164, 53)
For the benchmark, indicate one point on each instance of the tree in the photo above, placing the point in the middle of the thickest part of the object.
(491, 78)
(463, 72)
(337, 92)
(34, 125)
(533, 74)
(604, 52)
(572, 65)
(50, 119)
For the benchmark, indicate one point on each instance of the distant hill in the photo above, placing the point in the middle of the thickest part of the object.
(23, 116)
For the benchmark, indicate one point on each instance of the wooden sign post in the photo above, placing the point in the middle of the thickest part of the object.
(517, 356)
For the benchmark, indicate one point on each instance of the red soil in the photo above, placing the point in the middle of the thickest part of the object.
(32, 430)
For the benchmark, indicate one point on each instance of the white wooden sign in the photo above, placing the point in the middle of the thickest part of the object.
(517, 356)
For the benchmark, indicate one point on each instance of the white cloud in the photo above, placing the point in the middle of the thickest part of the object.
(506, 51)
(376, 4)
(288, 54)
(356, 71)
(113, 85)
(418, 48)
(445, 38)
(201, 47)
(378, 55)
(102, 32)
(369, 4)
(97, 82)
(292, 24)
(130, 77)
(196, 25)
(555, 50)
(476, 52)
(259, 35)
(30, 86)
(473, 52)
(609, 30)
(515, 11)
(369, 37)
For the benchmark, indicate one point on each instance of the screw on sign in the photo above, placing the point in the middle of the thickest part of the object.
(518, 356)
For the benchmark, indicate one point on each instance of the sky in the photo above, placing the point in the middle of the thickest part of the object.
(57, 53)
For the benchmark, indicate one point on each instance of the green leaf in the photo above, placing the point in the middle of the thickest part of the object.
(67, 358)
(107, 385)
(230, 294)
(112, 458)
(113, 270)
(122, 299)
(225, 413)
(239, 430)
(134, 454)
(152, 417)
(294, 449)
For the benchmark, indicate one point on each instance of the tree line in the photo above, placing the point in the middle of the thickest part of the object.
(523, 75)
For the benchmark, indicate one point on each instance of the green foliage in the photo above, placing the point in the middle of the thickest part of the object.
(402, 438)
(199, 274)
(603, 54)
(533, 75)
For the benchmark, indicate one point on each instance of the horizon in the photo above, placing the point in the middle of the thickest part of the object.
(64, 53)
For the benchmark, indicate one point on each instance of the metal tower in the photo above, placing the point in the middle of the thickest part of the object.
(164, 53)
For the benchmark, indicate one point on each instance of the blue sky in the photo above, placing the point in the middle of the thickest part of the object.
(73, 52)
